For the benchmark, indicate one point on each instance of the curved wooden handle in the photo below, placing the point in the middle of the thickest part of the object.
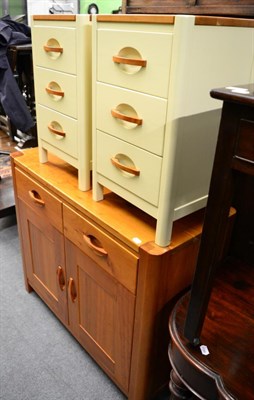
(129, 61)
(55, 92)
(36, 198)
(130, 170)
(118, 115)
(60, 277)
(98, 250)
(50, 49)
(72, 290)
(56, 131)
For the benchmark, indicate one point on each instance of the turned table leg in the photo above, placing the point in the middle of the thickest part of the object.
(177, 389)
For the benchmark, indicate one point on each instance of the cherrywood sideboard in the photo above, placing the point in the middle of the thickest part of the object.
(219, 312)
(96, 266)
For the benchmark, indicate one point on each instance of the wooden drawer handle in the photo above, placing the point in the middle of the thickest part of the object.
(130, 170)
(56, 131)
(118, 115)
(129, 61)
(36, 198)
(54, 92)
(60, 277)
(72, 290)
(50, 49)
(97, 249)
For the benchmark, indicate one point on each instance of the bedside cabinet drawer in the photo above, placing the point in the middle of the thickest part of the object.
(134, 117)
(56, 90)
(55, 48)
(151, 52)
(58, 130)
(106, 252)
(133, 169)
(43, 203)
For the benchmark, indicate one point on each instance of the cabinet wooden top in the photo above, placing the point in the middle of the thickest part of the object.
(170, 19)
(118, 217)
(55, 17)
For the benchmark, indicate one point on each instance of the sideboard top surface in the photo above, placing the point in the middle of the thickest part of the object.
(170, 19)
(120, 218)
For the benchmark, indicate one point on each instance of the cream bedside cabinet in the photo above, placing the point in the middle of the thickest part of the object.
(62, 74)
(154, 123)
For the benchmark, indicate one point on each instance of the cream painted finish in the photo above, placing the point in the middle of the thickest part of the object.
(50, 121)
(196, 58)
(62, 36)
(65, 84)
(62, 74)
(147, 184)
(152, 110)
(151, 46)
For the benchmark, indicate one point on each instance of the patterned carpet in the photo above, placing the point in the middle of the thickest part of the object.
(5, 166)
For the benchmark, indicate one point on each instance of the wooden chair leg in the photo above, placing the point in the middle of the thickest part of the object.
(177, 389)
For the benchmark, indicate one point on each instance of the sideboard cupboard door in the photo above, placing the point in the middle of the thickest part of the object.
(43, 251)
(101, 313)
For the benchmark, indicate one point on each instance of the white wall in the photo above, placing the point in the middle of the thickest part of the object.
(43, 6)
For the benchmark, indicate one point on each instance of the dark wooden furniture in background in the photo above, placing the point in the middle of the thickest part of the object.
(220, 312)
(234, 8)
(21, 62)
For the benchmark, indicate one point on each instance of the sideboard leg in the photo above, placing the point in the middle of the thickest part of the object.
(177, 389)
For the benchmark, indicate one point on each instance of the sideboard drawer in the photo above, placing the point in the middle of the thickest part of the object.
(148, 114)
(150, 47)
(58, 130)
(43, 203)
(63, 44)
(56, 90)
(108, 254)
(146, 183)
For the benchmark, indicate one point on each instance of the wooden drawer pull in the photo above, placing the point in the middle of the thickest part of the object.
(36, 198)
(50, 49)
(54, 92)
(129, 61)
(97, 249)
(130, 170)
(60, 277)
(56, 131)
(118, 115)
(72, 290)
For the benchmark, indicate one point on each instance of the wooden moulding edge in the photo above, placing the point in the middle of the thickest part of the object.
(55, 17)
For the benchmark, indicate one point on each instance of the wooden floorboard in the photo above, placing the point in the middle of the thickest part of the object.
(6, 144)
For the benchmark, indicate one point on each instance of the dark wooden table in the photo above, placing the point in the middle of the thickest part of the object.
(228, 332)
(219, 311)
